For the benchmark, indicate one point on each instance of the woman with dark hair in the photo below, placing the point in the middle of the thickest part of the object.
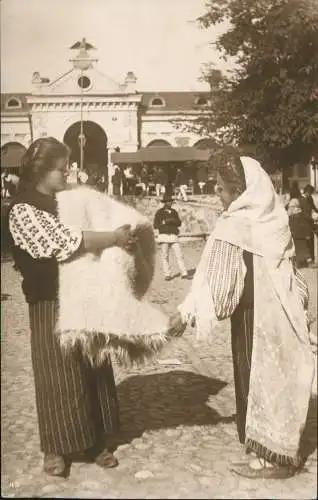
(246, 272)
(76, 404)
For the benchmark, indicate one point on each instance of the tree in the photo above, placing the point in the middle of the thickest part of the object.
(270, 103)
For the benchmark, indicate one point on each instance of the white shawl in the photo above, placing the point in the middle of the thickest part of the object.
(282, 369)
(100, 296)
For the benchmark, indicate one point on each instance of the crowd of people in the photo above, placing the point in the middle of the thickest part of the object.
(148, 180)
(240, 276)
(303, 221)
(9, 184)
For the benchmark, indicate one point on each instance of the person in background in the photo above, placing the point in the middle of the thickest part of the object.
(294, 191)
(300, 228)
(72, 177)
(116, 181)
(76, 404)
(160, 179)
(166, 225)
(310, 211)
(145, 179)
(182, 183)
(202, 178)
(82, 177)
(130, 179)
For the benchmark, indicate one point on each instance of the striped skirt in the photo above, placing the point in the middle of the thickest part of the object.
(76, 404)
(242, 326)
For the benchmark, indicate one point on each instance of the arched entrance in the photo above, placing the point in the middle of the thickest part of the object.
(95, 149)
(11, 156)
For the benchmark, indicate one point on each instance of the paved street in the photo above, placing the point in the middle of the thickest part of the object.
(178, 432)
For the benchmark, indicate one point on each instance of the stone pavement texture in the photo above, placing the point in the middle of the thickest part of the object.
(178, 431)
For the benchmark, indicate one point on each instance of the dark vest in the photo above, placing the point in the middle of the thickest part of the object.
(40, 276)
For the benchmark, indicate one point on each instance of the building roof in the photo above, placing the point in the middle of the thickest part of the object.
(175, 100)
(172, 100)
(18, 96)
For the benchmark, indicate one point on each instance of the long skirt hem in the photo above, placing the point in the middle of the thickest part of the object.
(76, 404)
(272, 457)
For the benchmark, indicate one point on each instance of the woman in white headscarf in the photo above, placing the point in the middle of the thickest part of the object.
(246, 273)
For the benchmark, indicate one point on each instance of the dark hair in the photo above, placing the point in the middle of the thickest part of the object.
(294, 190)
(40, 158)
(230, 169)
(309, 189)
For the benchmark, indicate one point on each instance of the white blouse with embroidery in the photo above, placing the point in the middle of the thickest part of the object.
(41, 234)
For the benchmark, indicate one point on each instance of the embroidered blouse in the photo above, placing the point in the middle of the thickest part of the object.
(41, 234)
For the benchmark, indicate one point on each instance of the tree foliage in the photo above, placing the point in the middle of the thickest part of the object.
(270, 103)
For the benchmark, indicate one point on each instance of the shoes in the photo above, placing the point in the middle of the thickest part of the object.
(265, 472)
(54, 465)
(185, 277)
(106, 460)
(168, 278)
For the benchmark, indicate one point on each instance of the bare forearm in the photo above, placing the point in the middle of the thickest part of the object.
(93, 241)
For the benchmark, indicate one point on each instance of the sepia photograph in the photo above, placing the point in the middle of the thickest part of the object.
(159, 249)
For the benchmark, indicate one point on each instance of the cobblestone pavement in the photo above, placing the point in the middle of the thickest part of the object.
(178, 432)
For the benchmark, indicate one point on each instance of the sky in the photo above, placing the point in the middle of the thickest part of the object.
(157, 39)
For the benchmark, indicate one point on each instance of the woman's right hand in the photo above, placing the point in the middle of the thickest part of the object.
(124, 237)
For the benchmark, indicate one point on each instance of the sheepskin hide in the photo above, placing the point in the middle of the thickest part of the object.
(101, 305)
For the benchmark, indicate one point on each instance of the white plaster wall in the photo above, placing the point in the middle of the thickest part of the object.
(15, 131)
(120, 126)
(164, 128)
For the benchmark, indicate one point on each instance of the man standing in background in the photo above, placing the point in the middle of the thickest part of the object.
(166, 225)
(182, 184)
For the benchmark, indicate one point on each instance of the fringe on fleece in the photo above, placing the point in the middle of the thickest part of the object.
(270, 456)
(128, 351)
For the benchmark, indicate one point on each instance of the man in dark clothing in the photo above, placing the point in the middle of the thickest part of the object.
(166, 224)
(308, 206)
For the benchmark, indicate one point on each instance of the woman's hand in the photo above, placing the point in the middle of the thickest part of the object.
(124, 238)
(176, 325)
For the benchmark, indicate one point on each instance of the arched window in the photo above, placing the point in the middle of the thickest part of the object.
(11, 155)
(205, 144)
(13, 102)
(157, 101)
(157, 143)
(201, 101)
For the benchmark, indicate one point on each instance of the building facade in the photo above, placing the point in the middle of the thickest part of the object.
(84, 107)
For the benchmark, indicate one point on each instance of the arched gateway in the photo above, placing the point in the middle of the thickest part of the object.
(95, 153)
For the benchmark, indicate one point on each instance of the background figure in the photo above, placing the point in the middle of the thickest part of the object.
(167, 223)
(161, 179)
(145, 179)
(294, 191)
(130, 180)
(182, 184)
(116, 181)
(72, 177)
(300, 229)
(82, 177)
(310, 211)
(202, 178)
